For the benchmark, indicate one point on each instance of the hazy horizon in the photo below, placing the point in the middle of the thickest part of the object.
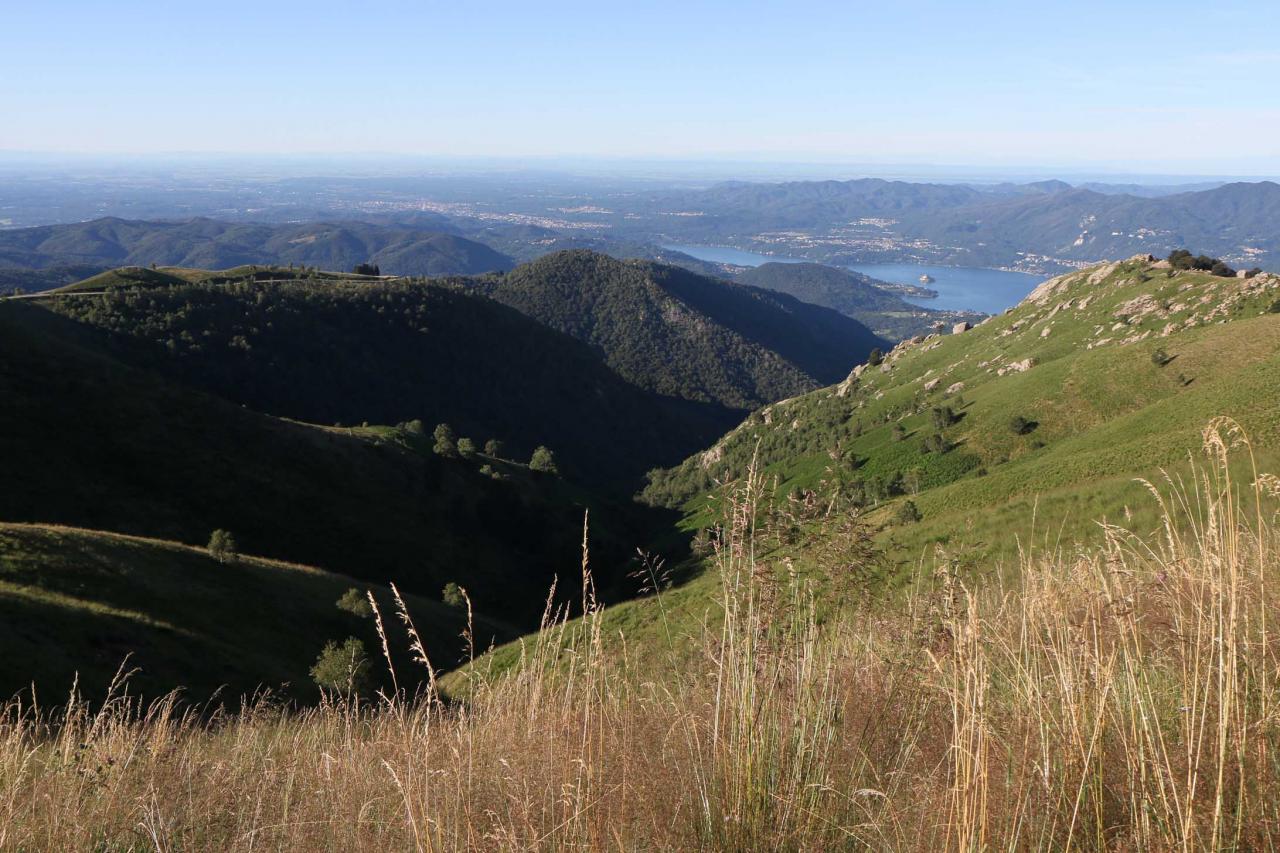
(704, 169)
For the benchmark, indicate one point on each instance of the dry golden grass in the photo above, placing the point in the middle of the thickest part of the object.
(1123, 699)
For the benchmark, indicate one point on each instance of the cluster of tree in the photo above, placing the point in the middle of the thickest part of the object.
(1181, 259)
(869, 491)
(448, 444)
(366, 269)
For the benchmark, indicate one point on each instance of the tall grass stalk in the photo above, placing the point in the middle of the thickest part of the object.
(1119, 696)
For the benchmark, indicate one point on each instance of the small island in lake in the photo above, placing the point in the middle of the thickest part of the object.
(926, 279)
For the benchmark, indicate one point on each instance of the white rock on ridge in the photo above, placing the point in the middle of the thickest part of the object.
(1017, 366)
(712, 456)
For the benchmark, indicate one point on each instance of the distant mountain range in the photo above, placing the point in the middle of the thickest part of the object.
(1045, 225)
(213, 244)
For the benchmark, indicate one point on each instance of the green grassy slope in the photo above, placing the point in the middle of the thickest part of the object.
(78, 602)
(92, 442)
(124, 277)
(1076, 361)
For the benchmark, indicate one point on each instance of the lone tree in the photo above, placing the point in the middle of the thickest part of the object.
(937, 443)
(446, 441)
(908, 513)
(543, 460)
(466, 448)
(1160, 358)
(356, 603)
(875, 357)
(898, 432)
(343, 667)
(1019, 425)
(943, 417)
(493, 448)
(453, 595)
(222, 546)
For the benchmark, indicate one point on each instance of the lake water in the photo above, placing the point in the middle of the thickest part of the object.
(959, 288)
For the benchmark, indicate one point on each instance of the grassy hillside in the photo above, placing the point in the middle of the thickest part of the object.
(146, 278)
(685, 335)
(77, 603)
(210, 244)
(92, 442)
(332, 350)
(854, 295)
(1096, 377)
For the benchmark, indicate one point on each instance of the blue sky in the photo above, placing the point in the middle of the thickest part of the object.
(1142, 86)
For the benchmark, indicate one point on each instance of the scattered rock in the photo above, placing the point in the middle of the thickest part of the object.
(961, 327)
